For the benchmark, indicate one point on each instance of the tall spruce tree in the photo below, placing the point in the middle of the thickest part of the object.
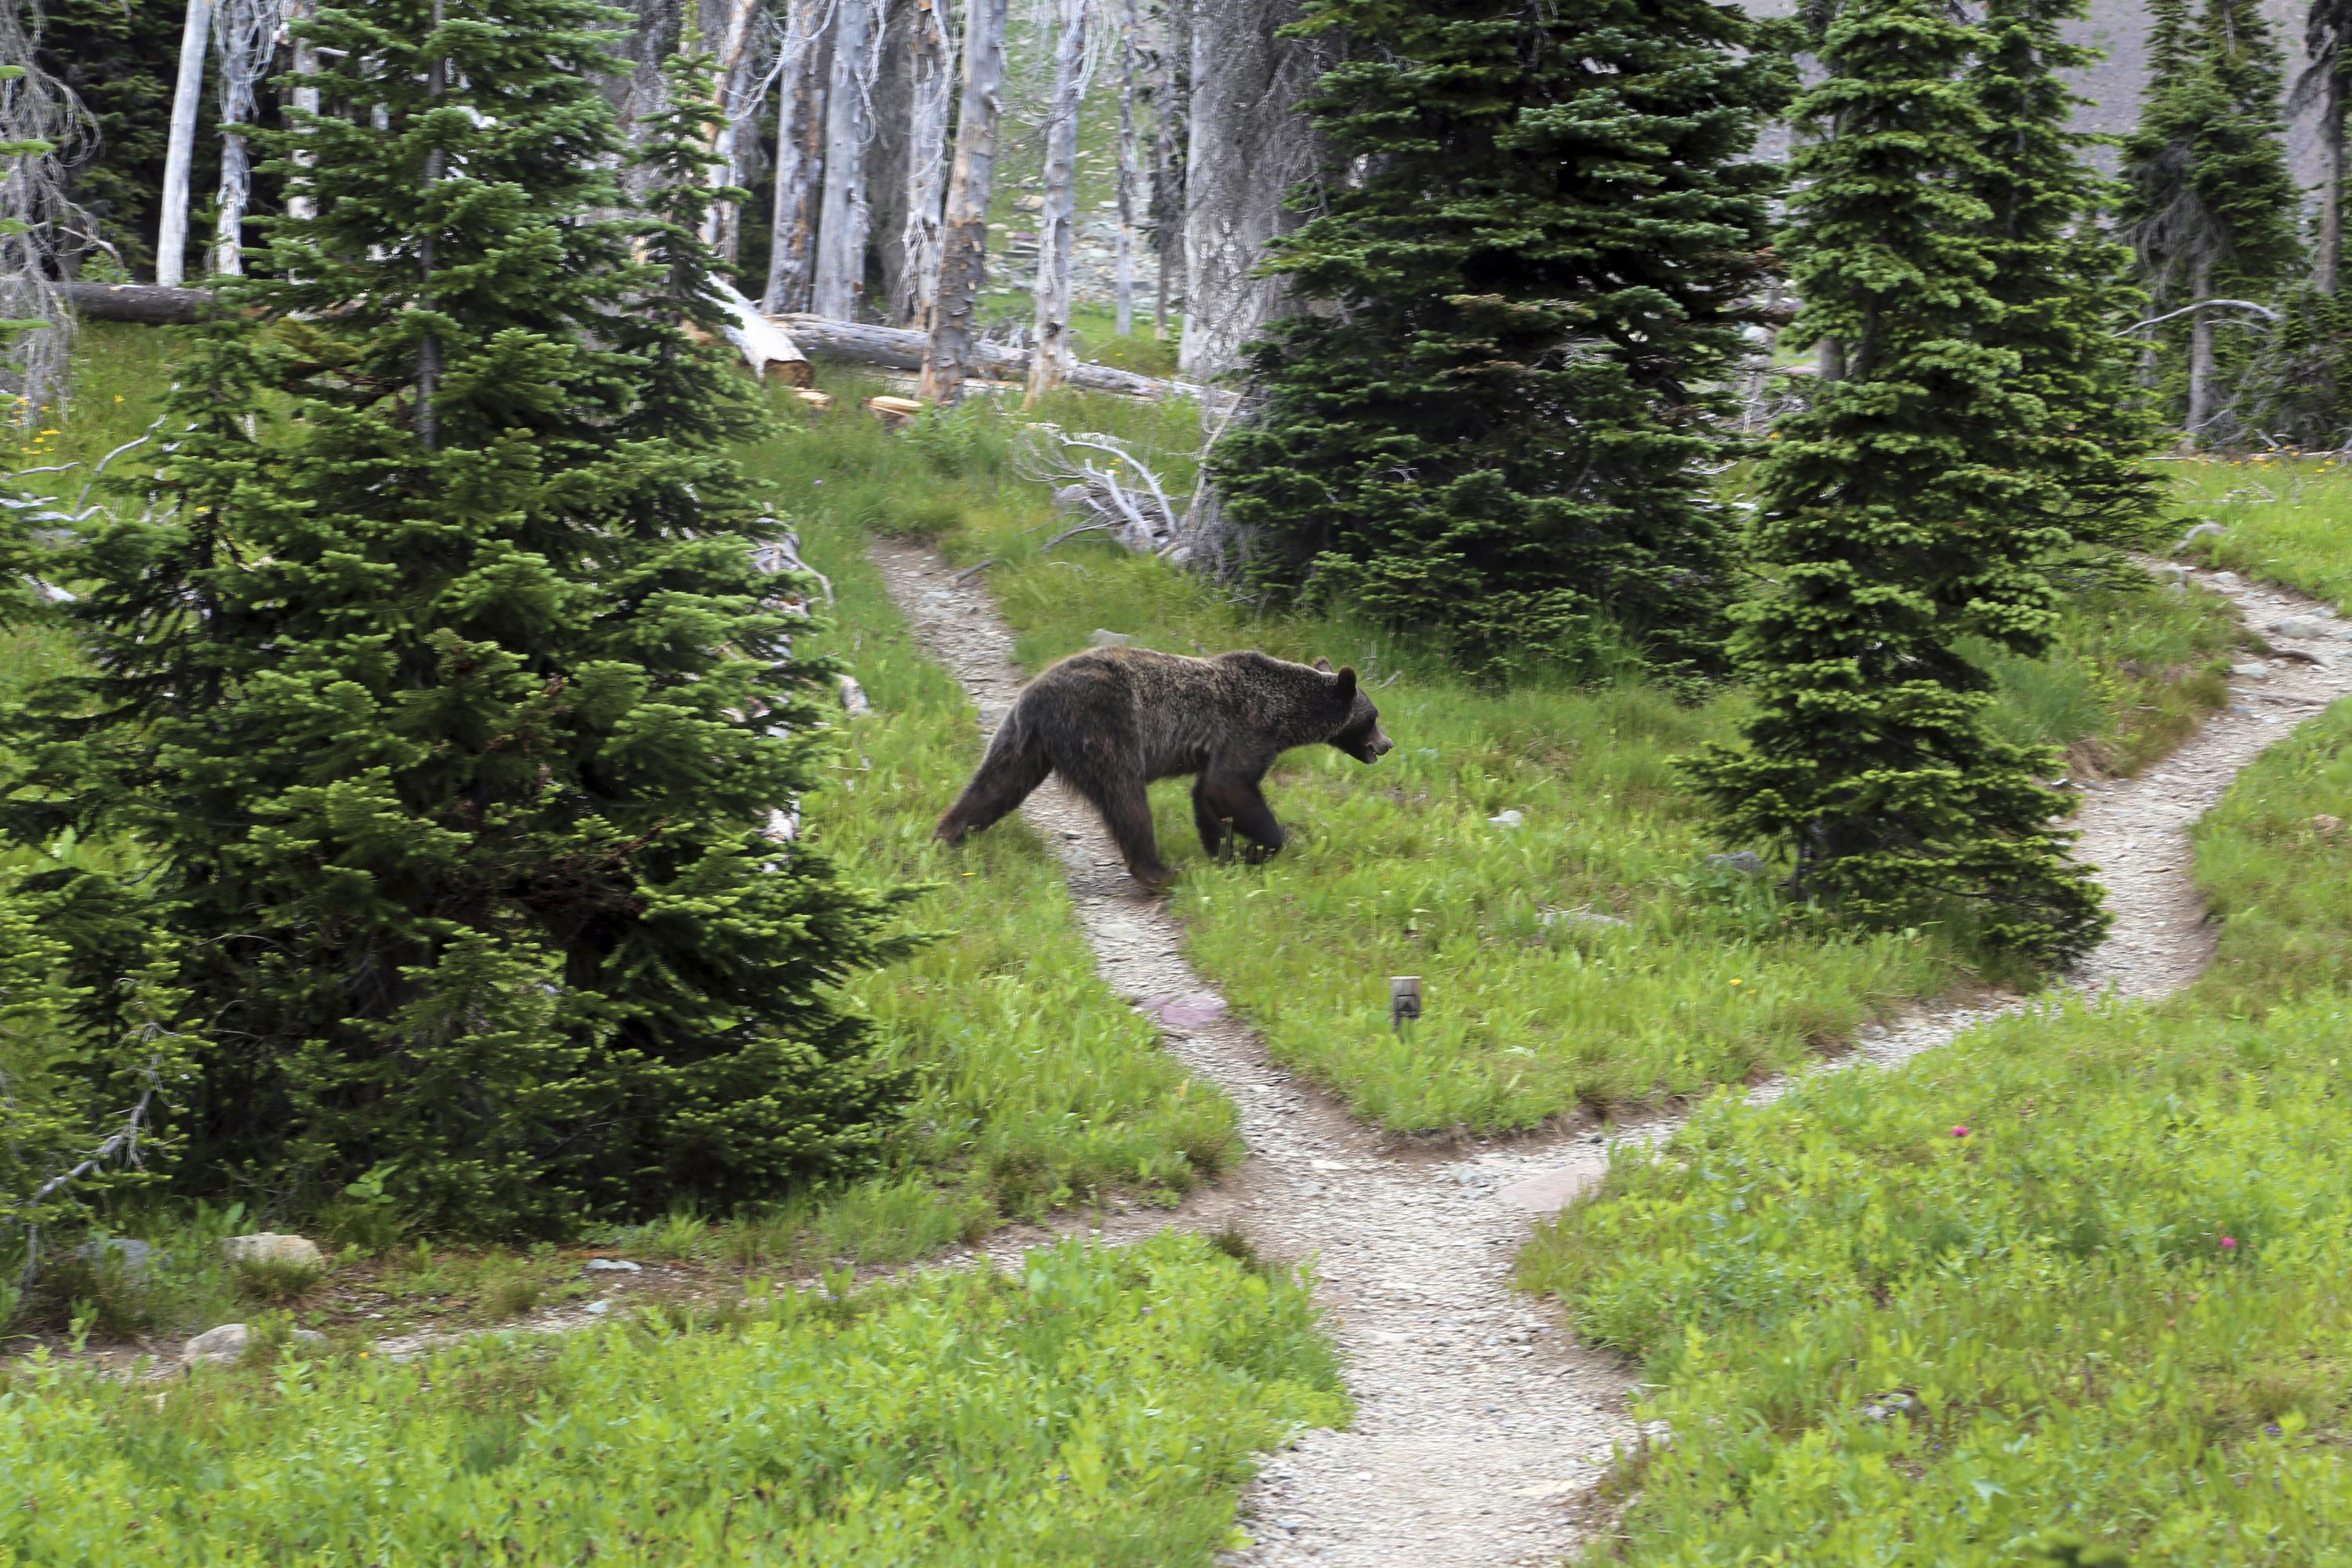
(1903, 511)
(440, 703)
(1488, 423)
(2059, 285)
(2210, 205)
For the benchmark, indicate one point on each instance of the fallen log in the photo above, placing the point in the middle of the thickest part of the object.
(149, 304)
(767, 348)
(901, 348)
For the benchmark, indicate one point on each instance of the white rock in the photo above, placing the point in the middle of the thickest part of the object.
(223, 1344)
(2249, 672)
(2202, 531)
(598, 1309)
(269, 1247)
(2299, 626)
(2227, 580)
(853, 697)
(613, 1266)
(1511, 818)
(1104, 637)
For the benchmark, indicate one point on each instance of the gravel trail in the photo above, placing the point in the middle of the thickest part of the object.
(1480, 1425)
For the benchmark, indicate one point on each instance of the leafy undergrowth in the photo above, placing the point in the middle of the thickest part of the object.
(2081, 1272)
(1098, 1409)
(2288, 518)
(1540, 1002)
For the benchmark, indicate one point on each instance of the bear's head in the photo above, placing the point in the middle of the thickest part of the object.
(1360, 734)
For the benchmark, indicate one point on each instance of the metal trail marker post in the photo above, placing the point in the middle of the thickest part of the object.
(1404, 1000)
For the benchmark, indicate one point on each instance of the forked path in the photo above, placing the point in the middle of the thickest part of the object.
(1480, 1425)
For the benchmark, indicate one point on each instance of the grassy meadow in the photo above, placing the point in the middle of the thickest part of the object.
(1087, 1412)
(2076, 1277)
(1586, 957)
(1040, 1090)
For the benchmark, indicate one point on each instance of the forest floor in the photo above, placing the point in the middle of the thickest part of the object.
(1482, 1430)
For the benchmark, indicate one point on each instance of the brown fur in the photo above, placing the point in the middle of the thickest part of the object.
(1111, 721)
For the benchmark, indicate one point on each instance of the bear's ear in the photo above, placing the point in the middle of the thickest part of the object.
(1324, 665)
(1344, 683)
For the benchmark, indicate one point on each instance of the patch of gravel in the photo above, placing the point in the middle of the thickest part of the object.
(1480, 1425)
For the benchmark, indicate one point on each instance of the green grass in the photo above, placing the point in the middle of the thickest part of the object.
(2099, 1252)
(1397, 869)
(2289, 519)
(1099, 1409)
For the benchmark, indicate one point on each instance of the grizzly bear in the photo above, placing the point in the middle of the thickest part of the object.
(1109, 720)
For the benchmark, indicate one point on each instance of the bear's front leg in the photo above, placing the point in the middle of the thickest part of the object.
(1252, 819)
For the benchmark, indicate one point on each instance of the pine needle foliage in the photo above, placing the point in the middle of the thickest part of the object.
(439, 697)
(1903, 511)
(2061, 285)
(1489, 424)
(2211, 204)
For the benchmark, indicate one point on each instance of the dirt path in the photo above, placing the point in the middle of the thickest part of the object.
(1478, 1423)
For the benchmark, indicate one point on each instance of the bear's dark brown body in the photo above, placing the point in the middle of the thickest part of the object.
(1112, 719)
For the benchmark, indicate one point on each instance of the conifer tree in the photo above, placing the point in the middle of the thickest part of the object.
(1488, 423)
(2211, 204)
(2059, 285)
(440, 700)
(1903, 511)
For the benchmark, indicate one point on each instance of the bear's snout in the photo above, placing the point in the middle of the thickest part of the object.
(1375, 746)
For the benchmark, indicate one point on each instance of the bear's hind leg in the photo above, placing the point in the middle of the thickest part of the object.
(1006, 776)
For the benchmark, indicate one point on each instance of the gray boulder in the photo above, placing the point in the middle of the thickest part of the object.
(269, 1247)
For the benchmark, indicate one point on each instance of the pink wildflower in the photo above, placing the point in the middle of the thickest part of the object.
(1959, 1131)
(2228, 1243)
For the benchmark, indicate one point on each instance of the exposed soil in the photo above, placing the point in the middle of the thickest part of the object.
(1480, 1426)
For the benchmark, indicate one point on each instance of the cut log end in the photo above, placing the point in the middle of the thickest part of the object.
(894, 412)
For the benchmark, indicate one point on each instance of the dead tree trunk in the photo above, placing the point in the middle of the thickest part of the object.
(963, 242)
(1250, 147)
(2200, 351)
(843, 222)
(721, 224)
(1050, 358)
(2329, 271)
(1171, 108)
(931, 61)
(800, 155)
(300, 205)
(1130, 173)
(244, 34)
(180, 149)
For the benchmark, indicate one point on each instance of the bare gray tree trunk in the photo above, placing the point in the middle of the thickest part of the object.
(931, 69)
(1171, 105)
(721, 224)
(800, 157)
(1250, 145)
(180, 149)
(1129, 172)
(301, 205)
(428, 353)
(1050, 357)
(2328, 272)
(41, 228)
(844, 220)
(243, 35)
(2200, 351)
(963, 243)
